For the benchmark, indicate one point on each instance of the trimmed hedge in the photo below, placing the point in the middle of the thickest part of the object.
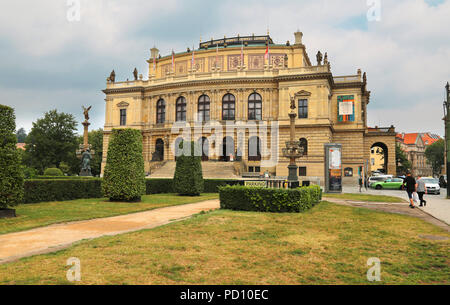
(60, 177)
(188, 177)
(124, 176)
(11, 171)
(269, 200)
(161, 186)
(53, 171)
(39, 190)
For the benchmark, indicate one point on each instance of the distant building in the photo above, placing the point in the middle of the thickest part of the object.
(414, 145)
(20, 146)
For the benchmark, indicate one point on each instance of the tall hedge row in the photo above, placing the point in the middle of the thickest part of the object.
(188, 177)
(11, 171)
(269, 200)
(40, 190)
(124, 176)
(162, 185)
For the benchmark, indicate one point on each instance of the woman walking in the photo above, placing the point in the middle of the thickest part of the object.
(421, 190)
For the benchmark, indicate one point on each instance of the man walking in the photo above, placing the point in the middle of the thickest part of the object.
(360, 183)
(411, 187)
(421, 190)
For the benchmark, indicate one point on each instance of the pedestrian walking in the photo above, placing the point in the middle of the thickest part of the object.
(360, 183)
(411, 188)
(421, 190)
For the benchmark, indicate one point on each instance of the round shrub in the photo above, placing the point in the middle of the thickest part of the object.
(11, 172)
(188, 177)
(124, 176)
(53, 171)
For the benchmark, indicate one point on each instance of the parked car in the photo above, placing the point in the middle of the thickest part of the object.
(432, 185)
(389, 184)
(379, 178)
(443, 181)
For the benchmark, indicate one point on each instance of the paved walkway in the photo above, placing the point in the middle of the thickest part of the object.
(396, 208)
(56, 237)
(437, 205)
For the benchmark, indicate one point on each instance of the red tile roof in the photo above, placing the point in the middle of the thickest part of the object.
(411, 138)
(20, 146)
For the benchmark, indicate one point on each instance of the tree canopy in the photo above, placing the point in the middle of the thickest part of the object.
(21, 135)
(435, 155)
(52, 140)
(401, 161)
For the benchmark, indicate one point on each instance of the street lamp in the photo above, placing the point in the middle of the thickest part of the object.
(447, 135)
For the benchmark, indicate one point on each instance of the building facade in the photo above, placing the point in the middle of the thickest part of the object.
(233, 96)
(414, 145)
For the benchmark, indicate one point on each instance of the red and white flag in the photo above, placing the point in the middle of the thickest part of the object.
(173, 61)
(266, 56)
(217, 54)
(154, 64)
(193, 58)
(242, 54)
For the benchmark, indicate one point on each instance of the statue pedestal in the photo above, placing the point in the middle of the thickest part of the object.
(85, 173)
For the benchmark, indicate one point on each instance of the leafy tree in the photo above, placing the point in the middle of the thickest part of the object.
(95, 138)
(11, 172)
(401, 161)
(188, 177)
(21, 135)
(52, 140)
(435, 155)
(124, 177)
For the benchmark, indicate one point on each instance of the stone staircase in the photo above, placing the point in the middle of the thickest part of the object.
(211, 170)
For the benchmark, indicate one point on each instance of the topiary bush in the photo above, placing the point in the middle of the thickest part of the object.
(53, 171)
(269, 200)
(124, 176)
(11, 172)
(188, 177)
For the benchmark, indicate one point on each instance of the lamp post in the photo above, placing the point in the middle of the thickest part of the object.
(447, 135)
(293, 149)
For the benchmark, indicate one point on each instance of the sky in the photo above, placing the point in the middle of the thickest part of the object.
(51, 59)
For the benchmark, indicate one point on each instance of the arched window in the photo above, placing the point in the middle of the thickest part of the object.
(254, 107)
(228, 107)
(160, 111)
(181, 109)
(203, 108)
(254, 149)
(304, 144)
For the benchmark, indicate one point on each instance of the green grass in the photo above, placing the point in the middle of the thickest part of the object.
(365, 197)
(329, 244)
(46, 213)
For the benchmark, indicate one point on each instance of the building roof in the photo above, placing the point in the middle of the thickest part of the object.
(411, 138)
(20, 146)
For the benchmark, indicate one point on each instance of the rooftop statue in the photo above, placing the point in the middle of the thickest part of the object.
(319, 58)
(86, 112)
(135, 74)
(112, 76)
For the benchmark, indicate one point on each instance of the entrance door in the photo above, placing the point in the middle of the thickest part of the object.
(205, 148)
(159, 149)
(227, 148)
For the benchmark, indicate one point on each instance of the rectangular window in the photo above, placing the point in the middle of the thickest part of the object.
(302, 109)
(302, 171)
(123, 117)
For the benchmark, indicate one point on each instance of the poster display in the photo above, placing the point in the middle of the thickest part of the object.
(333, 168)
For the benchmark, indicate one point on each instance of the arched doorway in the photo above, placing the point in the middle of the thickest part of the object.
(379, 158)
(254, 149)
(227, 148)
(204, 144)
(159, 150)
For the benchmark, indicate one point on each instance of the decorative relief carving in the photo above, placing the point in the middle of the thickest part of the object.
(123, 104)
(233, 62)
(199, 65)
(277, 60)
(212, 62)
(181, 67)
(302, 93)
(256, 61)
(166, 69)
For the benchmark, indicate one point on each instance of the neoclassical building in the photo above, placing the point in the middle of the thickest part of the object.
(233, 96)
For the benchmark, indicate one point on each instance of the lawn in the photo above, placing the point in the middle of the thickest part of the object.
(365, 197)
(46, 213)
(329, 244)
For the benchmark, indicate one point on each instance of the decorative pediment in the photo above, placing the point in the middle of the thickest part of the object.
(302, 93)
(123, 104)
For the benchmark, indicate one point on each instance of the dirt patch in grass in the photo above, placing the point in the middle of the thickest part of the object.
(365, 198)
